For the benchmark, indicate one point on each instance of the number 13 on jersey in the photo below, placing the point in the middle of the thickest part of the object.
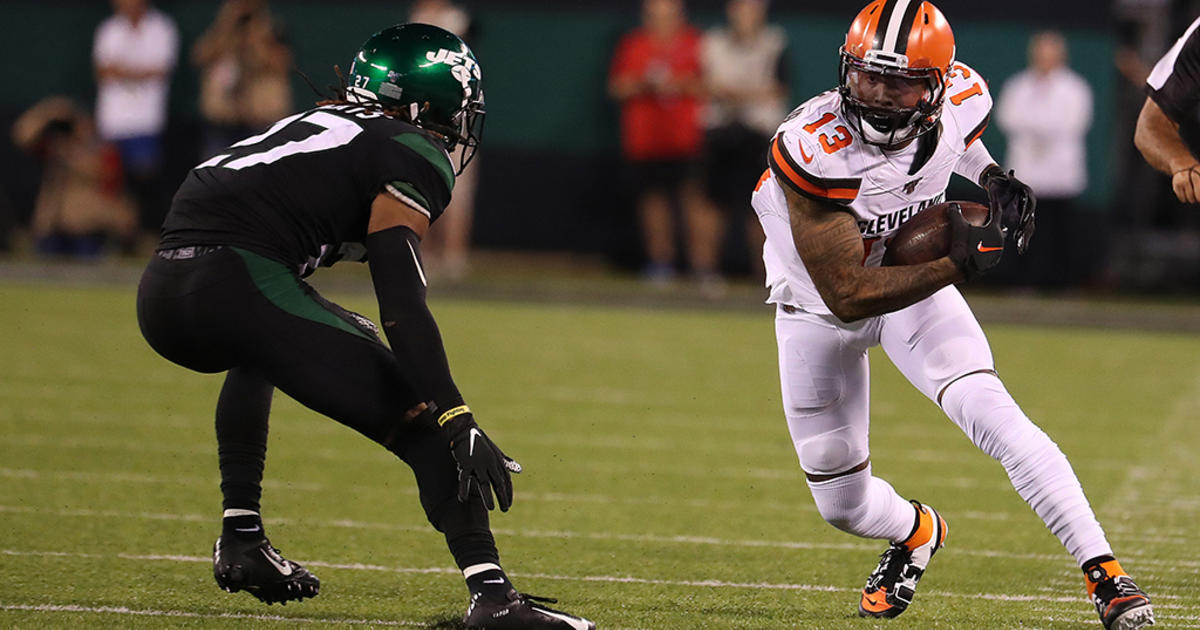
(841, 138)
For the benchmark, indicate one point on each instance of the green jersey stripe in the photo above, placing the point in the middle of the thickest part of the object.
(283, 289)
(435, 155)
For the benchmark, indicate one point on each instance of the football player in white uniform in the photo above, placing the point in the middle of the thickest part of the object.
(846, 169)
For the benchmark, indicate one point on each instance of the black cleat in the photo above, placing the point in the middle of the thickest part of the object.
(1118, 600)
(257, 568)
(892, 585)
(517, 611)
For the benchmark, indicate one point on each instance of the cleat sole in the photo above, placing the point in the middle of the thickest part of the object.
(1135, 619)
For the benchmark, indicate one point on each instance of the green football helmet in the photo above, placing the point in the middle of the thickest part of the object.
(427, 73)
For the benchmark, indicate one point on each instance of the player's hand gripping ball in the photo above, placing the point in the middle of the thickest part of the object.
(927, 235)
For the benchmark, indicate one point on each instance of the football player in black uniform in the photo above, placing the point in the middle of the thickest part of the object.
(1168, 129)
(358, 178)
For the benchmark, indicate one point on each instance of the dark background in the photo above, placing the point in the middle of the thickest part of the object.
(549, 165)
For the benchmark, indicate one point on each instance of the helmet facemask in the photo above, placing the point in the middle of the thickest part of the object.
(890, 127)
(463, 128)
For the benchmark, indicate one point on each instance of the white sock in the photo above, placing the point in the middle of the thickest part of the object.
(863, 505)
(1039, 471)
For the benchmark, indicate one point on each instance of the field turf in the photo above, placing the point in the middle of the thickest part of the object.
(660, 490)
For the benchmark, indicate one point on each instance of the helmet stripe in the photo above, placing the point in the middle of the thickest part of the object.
(881, 24)
(906, 24)
(893, 20)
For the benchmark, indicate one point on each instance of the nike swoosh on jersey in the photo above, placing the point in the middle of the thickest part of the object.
(284, 568)
(804, 156)
(985, 250)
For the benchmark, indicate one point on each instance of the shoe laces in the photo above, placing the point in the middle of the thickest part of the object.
(1117, 586)
(891, 564)
(535, 598)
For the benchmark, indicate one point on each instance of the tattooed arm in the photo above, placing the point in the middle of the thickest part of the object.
(831, 247)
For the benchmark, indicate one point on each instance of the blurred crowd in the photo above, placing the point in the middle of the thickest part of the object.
(696, 109)
(103, 189)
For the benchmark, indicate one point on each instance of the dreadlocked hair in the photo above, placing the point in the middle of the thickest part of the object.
(336, 95)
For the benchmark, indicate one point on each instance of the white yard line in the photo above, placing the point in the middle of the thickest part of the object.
(1151, 480)
(122, 610)
(1188, 566)
(613, 579)
(556, 497)
(643, 467)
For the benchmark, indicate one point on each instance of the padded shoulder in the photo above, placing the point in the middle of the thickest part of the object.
(813, 152)
(968, 102)
(437, 157)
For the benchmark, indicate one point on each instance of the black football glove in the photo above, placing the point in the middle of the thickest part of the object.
(1014, 200)
(481, 463)
(975, 249)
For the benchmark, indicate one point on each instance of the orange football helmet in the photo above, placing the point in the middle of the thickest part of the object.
(896, 40)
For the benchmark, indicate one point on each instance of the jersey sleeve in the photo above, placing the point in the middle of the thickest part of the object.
(969, 101)
(418, 172)
(797, 161)
(1174, 83)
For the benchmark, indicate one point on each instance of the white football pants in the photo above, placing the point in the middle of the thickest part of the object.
(939, 347)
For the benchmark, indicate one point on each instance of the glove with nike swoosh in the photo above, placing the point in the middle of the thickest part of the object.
(975, 249)
(481, 463)
(1015, 201)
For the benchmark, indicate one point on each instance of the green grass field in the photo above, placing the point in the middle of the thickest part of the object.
(661, 490)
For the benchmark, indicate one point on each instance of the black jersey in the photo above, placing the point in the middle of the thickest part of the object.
(301, 192)
(1174, 84)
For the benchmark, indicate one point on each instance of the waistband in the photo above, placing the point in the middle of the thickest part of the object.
(188, 252)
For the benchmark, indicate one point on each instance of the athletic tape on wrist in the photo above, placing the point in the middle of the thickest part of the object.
(452, 414)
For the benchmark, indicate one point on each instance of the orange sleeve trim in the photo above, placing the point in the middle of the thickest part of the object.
(843, 191)
(978, 130)
(766, 174)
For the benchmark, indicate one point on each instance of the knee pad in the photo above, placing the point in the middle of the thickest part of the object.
(832, 452)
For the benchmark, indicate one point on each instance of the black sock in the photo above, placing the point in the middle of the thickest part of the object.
(1094, 572)
(242, 527)
(492, 584)
(241, 424)
(1096, 560)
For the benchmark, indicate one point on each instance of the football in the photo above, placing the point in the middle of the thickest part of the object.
(926, 236)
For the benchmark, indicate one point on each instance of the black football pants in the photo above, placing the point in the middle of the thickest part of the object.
(227, 309)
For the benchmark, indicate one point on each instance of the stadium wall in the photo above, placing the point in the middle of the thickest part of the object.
(550, 156)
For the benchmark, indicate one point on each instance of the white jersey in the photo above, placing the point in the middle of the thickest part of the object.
(816, 154)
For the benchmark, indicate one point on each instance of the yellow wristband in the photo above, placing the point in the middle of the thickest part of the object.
(452, 414)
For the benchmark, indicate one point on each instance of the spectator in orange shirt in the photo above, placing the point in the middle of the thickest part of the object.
(656, 78)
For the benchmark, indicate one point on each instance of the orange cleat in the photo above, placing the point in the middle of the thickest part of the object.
(892, 585)
(1119, 602)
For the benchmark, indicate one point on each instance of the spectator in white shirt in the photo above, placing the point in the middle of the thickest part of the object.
(1045, 112)
(446, 249)
(745, 78)
(134, 52)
